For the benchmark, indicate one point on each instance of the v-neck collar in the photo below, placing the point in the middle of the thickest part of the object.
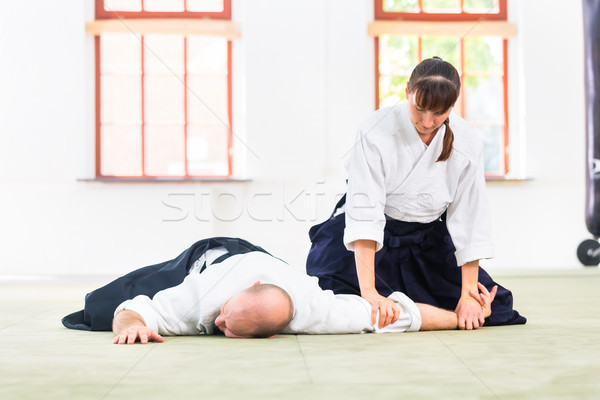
(412, 137)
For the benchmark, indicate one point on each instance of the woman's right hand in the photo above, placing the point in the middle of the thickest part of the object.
(388, 310)
(364, 256)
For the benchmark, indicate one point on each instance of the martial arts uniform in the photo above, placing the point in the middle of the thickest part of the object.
(427, 217)
(100, 304)
(192, 307)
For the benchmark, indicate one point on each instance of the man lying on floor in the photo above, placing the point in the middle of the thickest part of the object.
(254, 294)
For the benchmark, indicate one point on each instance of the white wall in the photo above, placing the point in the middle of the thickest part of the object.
(304, 80)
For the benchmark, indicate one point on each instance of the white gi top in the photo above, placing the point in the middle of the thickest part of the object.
(192, 307)
(392, 172)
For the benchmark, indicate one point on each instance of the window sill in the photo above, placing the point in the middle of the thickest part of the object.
(160, 180)
(501, 179)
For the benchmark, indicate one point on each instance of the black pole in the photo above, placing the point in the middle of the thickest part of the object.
(591, 25)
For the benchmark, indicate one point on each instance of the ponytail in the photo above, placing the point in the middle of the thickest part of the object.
(448, 141)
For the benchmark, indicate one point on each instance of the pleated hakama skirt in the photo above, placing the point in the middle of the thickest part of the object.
(416, 259)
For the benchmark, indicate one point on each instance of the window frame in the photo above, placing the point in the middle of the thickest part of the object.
(102, 14)
(381, 14)
(422, 16)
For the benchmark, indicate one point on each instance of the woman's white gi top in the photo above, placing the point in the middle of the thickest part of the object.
(192, 307)
(392, 172)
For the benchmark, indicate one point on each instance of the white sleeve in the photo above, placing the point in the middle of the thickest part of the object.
(173, 311)
(468, 219)
(410, 316)
(349, 313)
(365, 200)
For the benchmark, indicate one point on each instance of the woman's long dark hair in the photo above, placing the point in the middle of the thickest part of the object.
(436, 85)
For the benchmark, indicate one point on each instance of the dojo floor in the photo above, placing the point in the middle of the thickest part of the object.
(556, 355)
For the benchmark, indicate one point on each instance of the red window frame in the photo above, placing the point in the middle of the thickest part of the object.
(101, 13)
(380, 14)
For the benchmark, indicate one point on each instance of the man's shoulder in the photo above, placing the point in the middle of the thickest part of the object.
(257, 263)
(253, 256)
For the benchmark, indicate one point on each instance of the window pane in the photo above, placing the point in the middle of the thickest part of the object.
(120, 53)
(482, 6)
(207, 99)
(163, 5)
(445, 47)
(163, 54)
(205, 5)
(397, 57)
(121, 150)
(484, 99)
(401, 5)
(163, 99)
(164, 150)
(484, 54)
(163, 82)
(121, 99)
(392, 90)
(208, 150)
(123, 5)
(120, 66)
(441, 6)
(206, 54)
(493, 151)
(397, 54)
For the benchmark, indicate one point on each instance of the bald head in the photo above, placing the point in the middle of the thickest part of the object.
(262, 310)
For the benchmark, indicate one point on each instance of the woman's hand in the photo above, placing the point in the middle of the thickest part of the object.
(470, 313)
(485, 298)
(388, 310)
(364, 256)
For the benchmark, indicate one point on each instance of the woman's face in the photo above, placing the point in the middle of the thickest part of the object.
(426, 122)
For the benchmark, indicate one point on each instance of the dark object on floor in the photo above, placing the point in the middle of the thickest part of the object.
(587, 251)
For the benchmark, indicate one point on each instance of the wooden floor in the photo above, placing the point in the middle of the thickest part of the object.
(555, 355)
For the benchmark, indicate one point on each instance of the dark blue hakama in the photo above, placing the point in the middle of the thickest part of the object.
(416, 259)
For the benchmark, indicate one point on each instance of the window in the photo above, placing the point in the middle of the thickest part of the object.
(470, 34)
(163, 88)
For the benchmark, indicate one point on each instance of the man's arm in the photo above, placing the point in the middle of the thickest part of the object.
(437, 319)
(174, 311)
(128, 326)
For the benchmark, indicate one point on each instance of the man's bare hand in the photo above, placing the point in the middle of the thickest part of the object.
(129, 326)
(133, 333)
(485, 298)
(469, 312)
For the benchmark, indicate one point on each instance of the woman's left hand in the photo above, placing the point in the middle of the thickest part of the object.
(470, 315)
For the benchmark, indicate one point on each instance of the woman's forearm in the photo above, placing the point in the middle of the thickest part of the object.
(470, 277)
(364, 256)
